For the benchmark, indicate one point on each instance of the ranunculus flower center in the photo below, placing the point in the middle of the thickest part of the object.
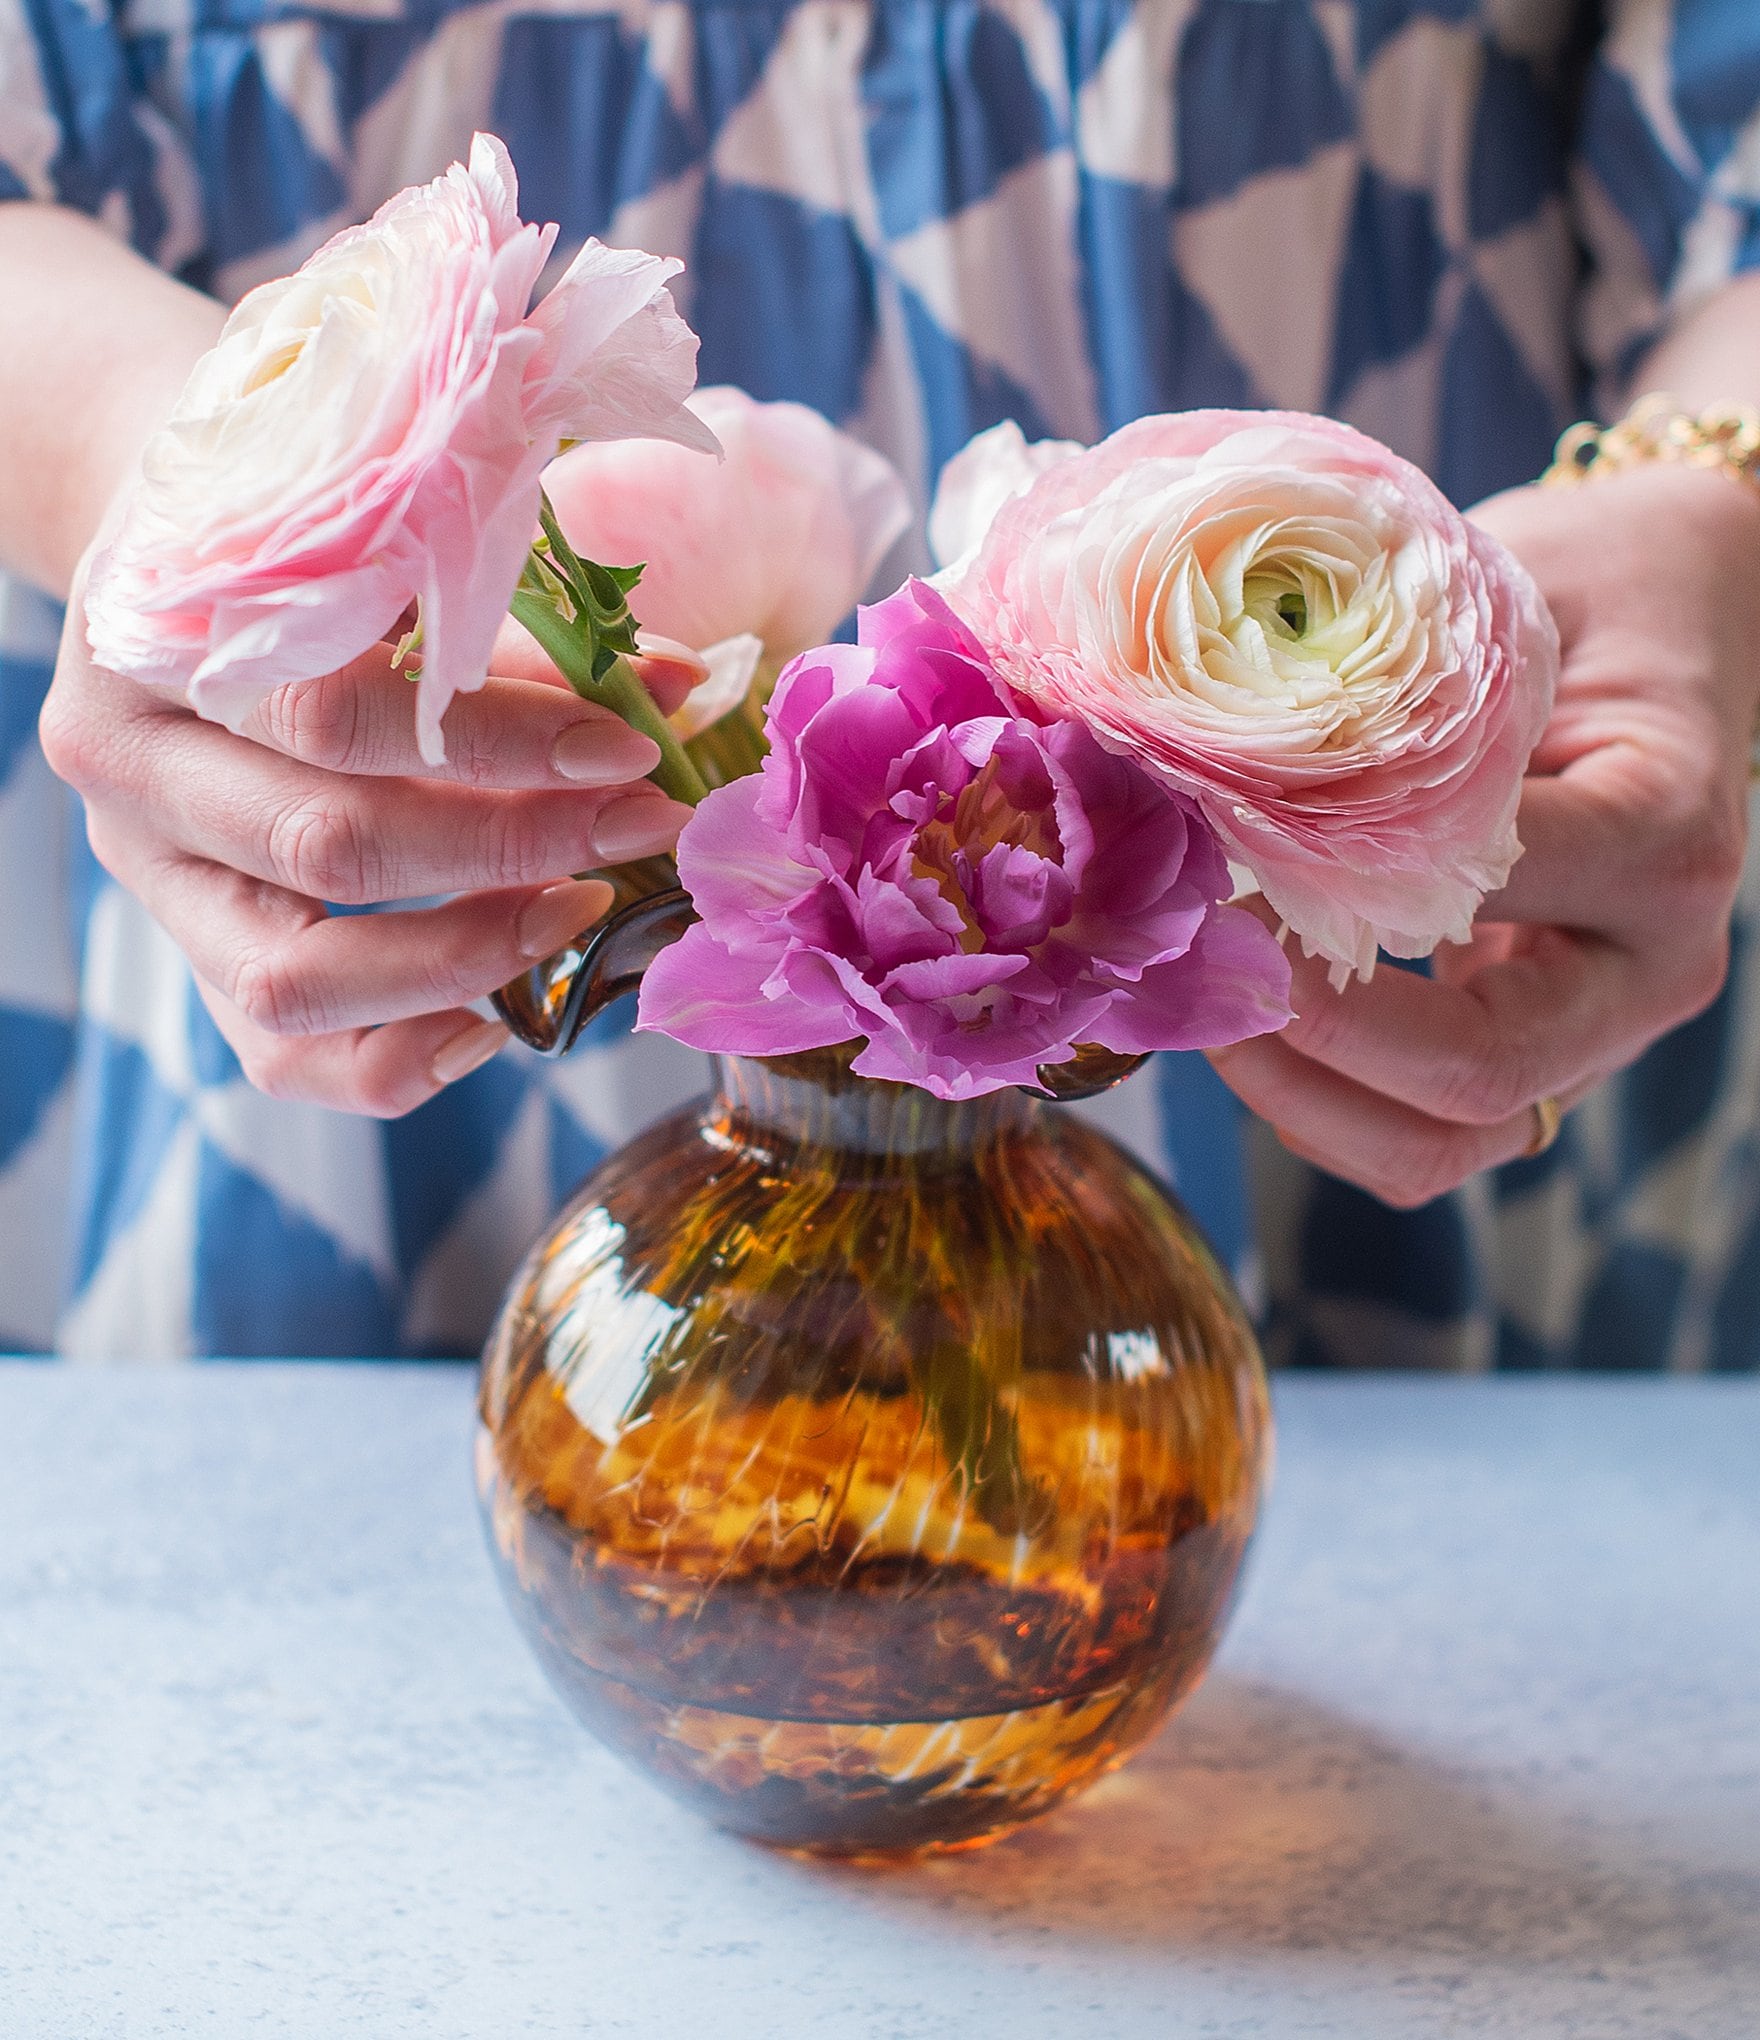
(1233, 613)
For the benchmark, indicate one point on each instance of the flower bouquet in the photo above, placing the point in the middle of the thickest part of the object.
(869, 1452)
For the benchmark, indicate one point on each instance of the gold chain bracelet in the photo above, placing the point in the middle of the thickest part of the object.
(1658, 429)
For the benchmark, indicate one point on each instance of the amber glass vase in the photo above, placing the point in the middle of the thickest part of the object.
(873, 1472)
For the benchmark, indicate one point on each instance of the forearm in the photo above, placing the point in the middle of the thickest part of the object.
(94, 346)
(1713, 355)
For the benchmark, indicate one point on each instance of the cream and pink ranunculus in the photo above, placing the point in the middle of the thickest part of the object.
(1297, 628)
(370, 432)
(757, 559)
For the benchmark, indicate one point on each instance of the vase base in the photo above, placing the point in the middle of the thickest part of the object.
(865, 1789)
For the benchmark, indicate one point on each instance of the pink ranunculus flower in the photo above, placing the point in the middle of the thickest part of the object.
(988, 471)
(1297, 628)
(972, 889)
(371, 431)
(756, 560)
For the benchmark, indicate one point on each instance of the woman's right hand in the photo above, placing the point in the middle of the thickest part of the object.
(235, 843)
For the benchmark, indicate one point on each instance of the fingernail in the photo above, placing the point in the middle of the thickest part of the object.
(638, 825)
(553, 918)
(603, 752)
(468, 1049)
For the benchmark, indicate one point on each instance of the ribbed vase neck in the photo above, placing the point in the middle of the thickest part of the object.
(814, 1100)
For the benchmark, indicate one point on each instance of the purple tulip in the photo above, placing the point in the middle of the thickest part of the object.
(966, 884)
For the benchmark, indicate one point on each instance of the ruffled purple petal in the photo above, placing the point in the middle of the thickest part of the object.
(1231, 984)
(733, 864)
(1018, 897)
(710, 997)
(905, 923)
(939, 978)
(846, 755)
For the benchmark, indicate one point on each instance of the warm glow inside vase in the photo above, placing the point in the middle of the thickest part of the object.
(872, 1472)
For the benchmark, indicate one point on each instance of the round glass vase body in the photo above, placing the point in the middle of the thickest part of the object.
(871, 1471)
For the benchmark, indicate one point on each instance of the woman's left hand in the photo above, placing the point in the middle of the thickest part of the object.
(1614, 927)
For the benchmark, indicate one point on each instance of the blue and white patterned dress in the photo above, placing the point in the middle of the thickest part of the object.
(1440, 219)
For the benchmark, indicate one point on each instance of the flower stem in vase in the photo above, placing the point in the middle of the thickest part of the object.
(579, 613)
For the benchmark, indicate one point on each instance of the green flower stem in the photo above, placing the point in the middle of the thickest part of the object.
(617, 688)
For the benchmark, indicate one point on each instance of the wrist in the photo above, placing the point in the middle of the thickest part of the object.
(1695, 466)
(95, 345)
(113, 434)
(1717, 515)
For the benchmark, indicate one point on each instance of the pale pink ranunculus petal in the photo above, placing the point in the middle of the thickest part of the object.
(616, 361)
(779, 542)
(988, 471)
(731, 666)
(371, 431)
(1295, 627)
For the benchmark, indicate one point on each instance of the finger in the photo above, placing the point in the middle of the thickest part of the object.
(1561, 1010)
(354, 841)
(668, 670)
(292, 969)
(1612, 845)
(1401, 1155)
(382, 1072)
(1573, 855)
(512, 733)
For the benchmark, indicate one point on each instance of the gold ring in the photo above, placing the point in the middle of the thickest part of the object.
(1548, 1118)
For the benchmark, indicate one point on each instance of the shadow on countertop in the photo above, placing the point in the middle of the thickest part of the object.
(1261, 1820)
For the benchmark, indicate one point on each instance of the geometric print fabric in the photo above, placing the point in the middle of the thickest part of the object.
(1455, 224)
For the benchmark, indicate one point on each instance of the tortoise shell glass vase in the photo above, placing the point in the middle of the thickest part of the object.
(873, 1472)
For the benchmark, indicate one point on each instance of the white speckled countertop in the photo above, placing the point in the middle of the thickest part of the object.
(1481, 1755)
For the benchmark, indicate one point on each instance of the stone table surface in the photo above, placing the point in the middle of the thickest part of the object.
(1480, 1756)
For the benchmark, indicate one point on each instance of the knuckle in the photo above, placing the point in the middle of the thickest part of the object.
(318, 847)
(1428, 1173)
(441, 982)
(267, 989)
(106, 844)
(517, 845)
(1393, 1175)
(72, 741)
(1401, 1179)
(1318, 1026)
(389, 1098)
(1704, 977)
(1419, 1168)
(273, 1067)
(474, 751)
(1486, 1086)
(281, 1068)
(1709, 847)
(321, 721)
(1688, 831)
